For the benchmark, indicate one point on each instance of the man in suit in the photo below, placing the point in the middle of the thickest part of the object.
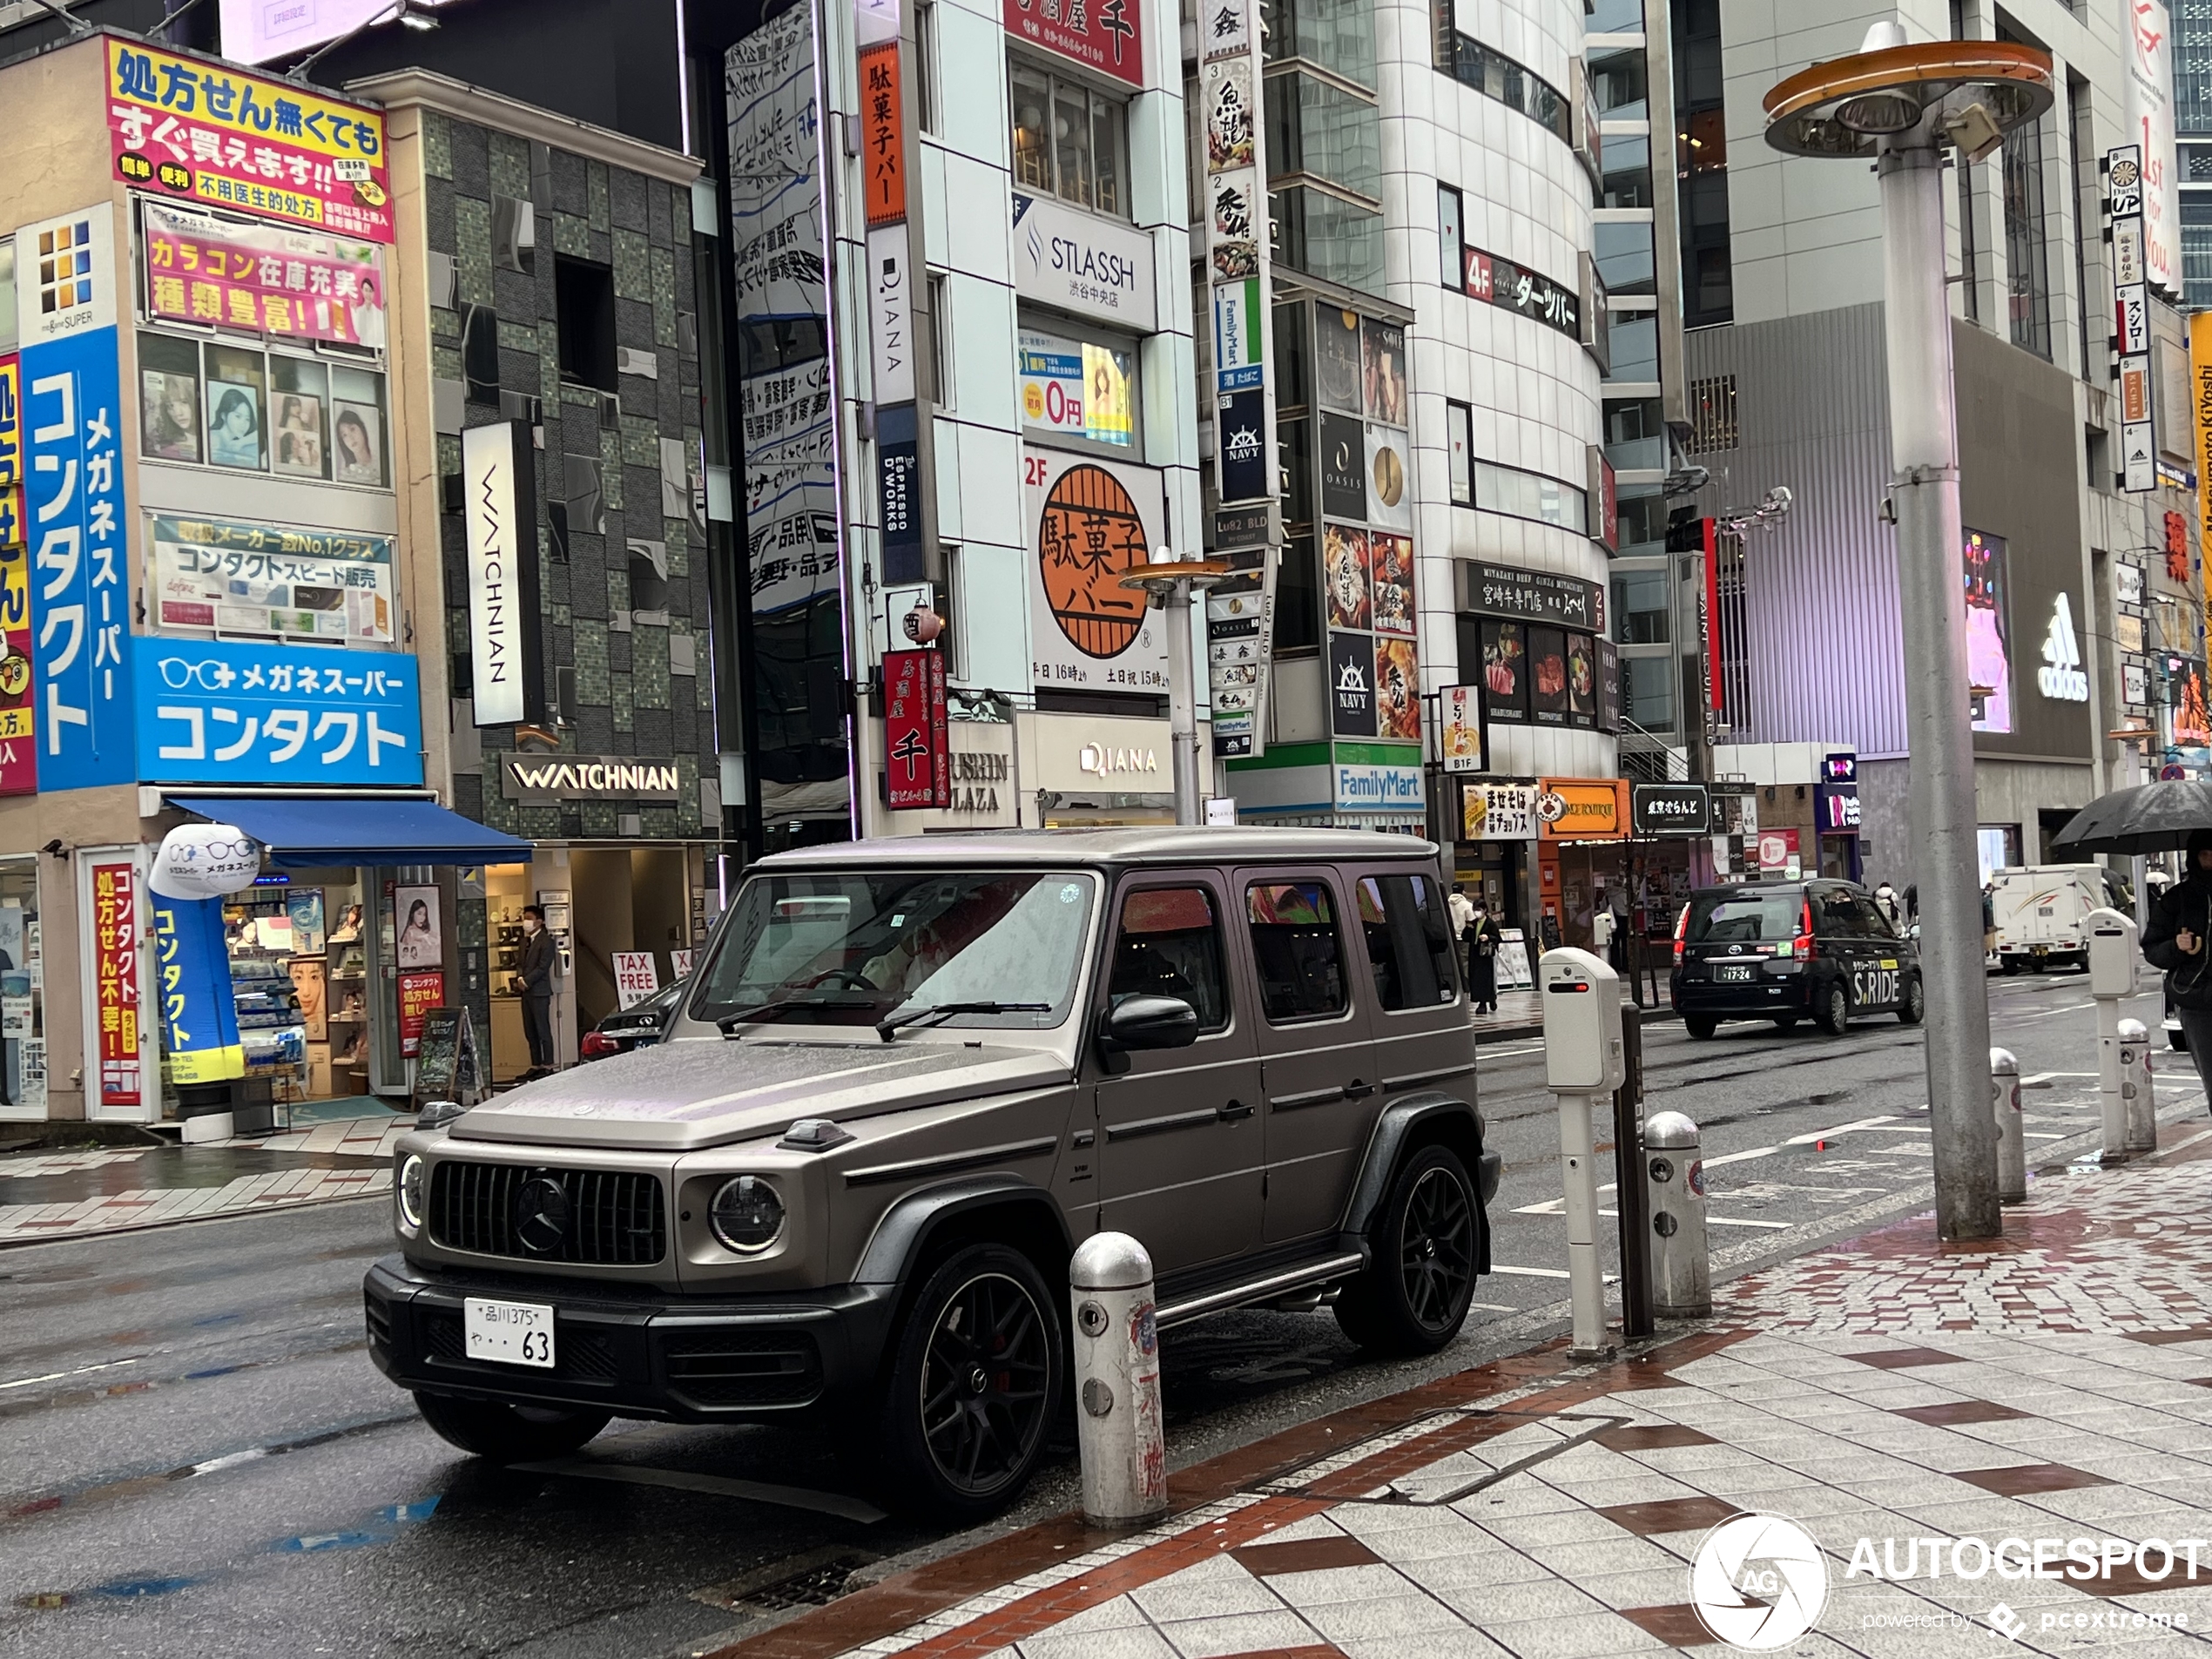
(538, 959)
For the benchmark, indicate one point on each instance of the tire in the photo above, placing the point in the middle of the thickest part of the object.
(1414, 1297)
(1785, 1021)
(964, 1422)
(1700, 1025)
(2010, 964)
(501, 1433)
(1833, 1015)
(1914, 1008)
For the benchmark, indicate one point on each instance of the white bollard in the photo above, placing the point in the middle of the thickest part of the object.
(1117, 1381)
(2113, 956)
(2138, 1103)
(1584, 1062)
(2011, 1143)
(1682, 1270)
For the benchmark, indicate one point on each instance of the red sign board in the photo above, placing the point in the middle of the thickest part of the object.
(883, 135)
(1103, 35)
(115, 979)
(917, 769)
(264, 278)
(419, 994)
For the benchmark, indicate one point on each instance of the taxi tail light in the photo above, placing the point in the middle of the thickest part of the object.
(1801, 947)
(1682, 926)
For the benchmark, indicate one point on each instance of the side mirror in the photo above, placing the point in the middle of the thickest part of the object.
(1146, 1022)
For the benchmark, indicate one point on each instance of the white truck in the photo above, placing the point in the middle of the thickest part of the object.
(2039, 913)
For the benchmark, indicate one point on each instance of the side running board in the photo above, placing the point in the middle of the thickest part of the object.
(1261, 1289)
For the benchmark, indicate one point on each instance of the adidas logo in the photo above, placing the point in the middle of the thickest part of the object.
(2061, 677)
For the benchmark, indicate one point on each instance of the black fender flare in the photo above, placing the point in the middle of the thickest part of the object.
(904, 1232)
(1417, 1119)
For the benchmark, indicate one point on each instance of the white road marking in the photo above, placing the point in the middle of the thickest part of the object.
(57, 1376)
(827, 1503)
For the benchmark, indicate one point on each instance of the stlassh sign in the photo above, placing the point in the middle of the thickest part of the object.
(499, 511)
(540, 778)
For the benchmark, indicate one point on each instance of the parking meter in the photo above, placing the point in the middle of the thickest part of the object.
(2113, 953)
(1584, 1062)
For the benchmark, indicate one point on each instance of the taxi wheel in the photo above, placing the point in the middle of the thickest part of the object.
(504, 1433)
(1414, 1297)
(1700, 1026)
(1914, 1008)
(1834, 1013)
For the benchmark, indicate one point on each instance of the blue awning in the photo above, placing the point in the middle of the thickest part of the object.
(303, 832)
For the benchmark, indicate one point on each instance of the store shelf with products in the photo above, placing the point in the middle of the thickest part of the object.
(300, 991)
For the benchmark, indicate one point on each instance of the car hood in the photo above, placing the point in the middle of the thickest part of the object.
(680, 1096)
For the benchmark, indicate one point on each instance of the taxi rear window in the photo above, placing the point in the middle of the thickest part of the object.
(1743, 918)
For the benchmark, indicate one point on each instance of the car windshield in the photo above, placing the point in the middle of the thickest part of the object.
(1740, 918)
(853, 949)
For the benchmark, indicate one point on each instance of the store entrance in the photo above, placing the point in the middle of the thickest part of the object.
(299, 979)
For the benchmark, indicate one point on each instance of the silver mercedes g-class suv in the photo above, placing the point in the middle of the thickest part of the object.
(910, 1076)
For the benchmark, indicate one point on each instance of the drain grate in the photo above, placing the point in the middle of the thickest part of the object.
(813, 1578)
(816, 1588)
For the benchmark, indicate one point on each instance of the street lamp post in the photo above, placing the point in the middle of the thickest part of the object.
(1903, 105)
(1168, 583)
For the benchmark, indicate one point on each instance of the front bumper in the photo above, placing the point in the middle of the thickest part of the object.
(635, 1353)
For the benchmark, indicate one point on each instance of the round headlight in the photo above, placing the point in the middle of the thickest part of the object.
(747, 1216)
(409, 1188)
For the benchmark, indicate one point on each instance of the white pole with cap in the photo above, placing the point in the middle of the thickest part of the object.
(1584, 1062)
(1118, 1429)
(2113, 959)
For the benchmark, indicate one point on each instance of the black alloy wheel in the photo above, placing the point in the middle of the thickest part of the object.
(1413, 1296)
(1913, 1007)
(978, 1367)
(1835, 1010)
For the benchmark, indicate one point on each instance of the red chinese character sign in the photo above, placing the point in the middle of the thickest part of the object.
(118, 1005)
(266, 279)
(1105, 35)
(917, 768)
(219, 136)
(883, 138)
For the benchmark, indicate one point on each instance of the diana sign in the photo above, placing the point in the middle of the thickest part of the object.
(499, 504)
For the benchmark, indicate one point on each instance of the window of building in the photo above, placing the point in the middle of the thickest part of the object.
(1635, 433)
(1170, 945)
(1459, 440)
(1325, 131)
(1296, 948)
(1627, 170)
(1495, 76)
(1327, 237)
(941, 343)
(1640, 519)
(1530, 495)
(237, 394)
(1641, 603)
(1069, 141)
(1624, 258)
(2026, 254)
(1701, 165)
(1409, 940)
(239, 407)
(1634, 340)
(1338, 35)
(927, 96)
(584, 324)
(1616, 18)
(1648, 691)
(1712, 415)
(1451, 246)
(1298, 595)
(1617, 82)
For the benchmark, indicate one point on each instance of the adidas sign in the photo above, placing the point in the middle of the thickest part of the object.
(2061, 677)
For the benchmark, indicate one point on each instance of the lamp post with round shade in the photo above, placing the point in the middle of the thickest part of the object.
(1902, 106)
(1168, 583)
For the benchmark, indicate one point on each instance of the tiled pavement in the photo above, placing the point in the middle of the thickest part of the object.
(71, 1195)
(2055, 1384)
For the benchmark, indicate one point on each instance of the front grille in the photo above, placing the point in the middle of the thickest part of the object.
(616, 1219)
(578, 1355)
(765, 1365)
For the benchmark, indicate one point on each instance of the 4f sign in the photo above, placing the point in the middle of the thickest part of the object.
(2061, 677)
(497, 461)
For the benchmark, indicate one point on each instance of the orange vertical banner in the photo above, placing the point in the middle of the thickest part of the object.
(883, 135)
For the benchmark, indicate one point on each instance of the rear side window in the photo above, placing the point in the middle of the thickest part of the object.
(1170, 945)
(1835, 915)
(1872, 922)
(1409, 942)
(1743, 918)
(1295, 946)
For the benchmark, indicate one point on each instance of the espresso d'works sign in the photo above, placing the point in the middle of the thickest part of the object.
(543, 778)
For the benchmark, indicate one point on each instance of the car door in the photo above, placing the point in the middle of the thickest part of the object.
(1412, 978)
(1182, 1146)
(1880, 980)
(1317, 1064)
(1840, 940)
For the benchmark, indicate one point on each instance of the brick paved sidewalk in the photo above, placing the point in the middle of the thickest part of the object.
(2055, 1384)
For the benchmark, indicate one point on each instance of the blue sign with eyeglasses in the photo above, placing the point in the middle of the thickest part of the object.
(213, 712)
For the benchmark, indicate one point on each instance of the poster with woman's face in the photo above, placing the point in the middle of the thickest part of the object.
(233, 425)
(1344, 562)
(168, 415)
(353, 444)
(297, 440)
(419, 944)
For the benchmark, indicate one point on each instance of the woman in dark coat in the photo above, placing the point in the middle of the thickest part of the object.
(1483, 938)
(2177, 941)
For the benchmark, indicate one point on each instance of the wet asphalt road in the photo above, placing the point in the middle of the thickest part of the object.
(197, 1457)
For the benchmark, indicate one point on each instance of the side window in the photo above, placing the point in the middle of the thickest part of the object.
(1834, 915)
(1296, 947)
(1872, 922)
(1409, 940)
(1170, 945)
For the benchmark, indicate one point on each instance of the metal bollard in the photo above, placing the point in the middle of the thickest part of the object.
(1681, 1271)
(1117, 1381)
(2012, 1145)
(2139, 1103)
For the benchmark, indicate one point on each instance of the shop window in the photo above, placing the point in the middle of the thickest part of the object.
(1295, 947)
(23, 990)
(299, 980)
(584, 322)
(357, 427)
(1170, 945)
(1069, 141)
(1077, 388)
(240, 407)
(1409, 940)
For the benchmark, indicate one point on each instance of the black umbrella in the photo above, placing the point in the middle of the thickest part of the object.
(2150, 817)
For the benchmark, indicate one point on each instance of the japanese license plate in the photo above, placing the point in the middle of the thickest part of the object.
(508, 1333)
(1733, 971)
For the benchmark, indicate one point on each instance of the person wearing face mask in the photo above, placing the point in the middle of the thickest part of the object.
(2177, 941)
(537, 991)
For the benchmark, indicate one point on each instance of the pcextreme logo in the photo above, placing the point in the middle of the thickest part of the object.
(2061, 677)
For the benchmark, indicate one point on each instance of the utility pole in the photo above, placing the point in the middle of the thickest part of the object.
(1168, 583)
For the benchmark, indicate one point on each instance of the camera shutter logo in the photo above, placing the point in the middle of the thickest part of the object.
(1758, 1582)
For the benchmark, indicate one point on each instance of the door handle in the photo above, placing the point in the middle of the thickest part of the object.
(1233, 1110)
(1357, 1091)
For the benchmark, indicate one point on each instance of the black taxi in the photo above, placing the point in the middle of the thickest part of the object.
(1786, 951)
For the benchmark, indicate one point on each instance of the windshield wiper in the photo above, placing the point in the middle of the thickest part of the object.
(759, 1011)
(938, 1011)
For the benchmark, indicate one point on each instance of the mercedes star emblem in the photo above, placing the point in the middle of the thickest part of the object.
(542, 1215)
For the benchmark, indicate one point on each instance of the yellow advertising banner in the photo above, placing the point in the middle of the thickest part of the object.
(2200, 402)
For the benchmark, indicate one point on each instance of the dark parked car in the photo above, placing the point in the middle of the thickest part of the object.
(908, 1078)
(1786, 951)
(638, 1026)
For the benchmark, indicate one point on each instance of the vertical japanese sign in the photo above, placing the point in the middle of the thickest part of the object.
(118, 1002)
(199, 1014)
(2124, 195)
(883, 138)
(917, 765)
(18, 685)
(2200, 402)
(419, 992)
(891, 264)
(73, 416)
(2148, 107)
(1240, 615)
